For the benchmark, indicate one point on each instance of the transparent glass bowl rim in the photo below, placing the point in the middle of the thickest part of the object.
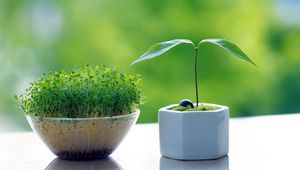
(136, 113)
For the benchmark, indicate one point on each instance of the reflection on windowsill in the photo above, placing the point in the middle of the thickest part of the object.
(61, 164)
(218, 164)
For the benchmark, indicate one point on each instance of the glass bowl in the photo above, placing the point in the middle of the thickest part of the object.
(83, 138)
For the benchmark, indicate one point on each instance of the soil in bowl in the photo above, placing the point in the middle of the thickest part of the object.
(83, 138)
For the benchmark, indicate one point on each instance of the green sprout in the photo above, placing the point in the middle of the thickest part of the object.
(160, 48)
(89, 91)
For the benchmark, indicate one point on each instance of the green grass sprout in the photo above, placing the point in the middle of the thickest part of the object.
(86, 92)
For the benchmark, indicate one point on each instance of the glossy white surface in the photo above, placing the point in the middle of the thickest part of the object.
(258, 143)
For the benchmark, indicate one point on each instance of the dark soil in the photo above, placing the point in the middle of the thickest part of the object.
(85, 155)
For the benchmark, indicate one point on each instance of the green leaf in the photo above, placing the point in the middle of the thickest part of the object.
(160, 48)
(230, 47)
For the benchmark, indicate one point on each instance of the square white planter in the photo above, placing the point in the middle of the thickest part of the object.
(194, 135)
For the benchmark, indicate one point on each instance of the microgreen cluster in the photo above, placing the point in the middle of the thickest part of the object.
(89, 91)
(201, 107)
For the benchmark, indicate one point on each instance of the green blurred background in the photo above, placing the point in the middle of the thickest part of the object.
(37, 35)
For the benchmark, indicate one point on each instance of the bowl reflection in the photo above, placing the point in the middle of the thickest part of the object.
(218, 164)
(105, 164)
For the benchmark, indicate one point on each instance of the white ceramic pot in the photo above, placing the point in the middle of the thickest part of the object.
(194, 135)
(217, 164)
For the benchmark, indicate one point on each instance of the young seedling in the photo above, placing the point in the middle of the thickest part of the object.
(86, 92)
(160, 48)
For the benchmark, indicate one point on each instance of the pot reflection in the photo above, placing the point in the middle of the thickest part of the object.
(218, 164)
(105, 164)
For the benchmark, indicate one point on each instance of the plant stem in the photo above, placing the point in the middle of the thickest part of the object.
(196, 75)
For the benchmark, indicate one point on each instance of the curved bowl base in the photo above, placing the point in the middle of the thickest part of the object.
(84, 155)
